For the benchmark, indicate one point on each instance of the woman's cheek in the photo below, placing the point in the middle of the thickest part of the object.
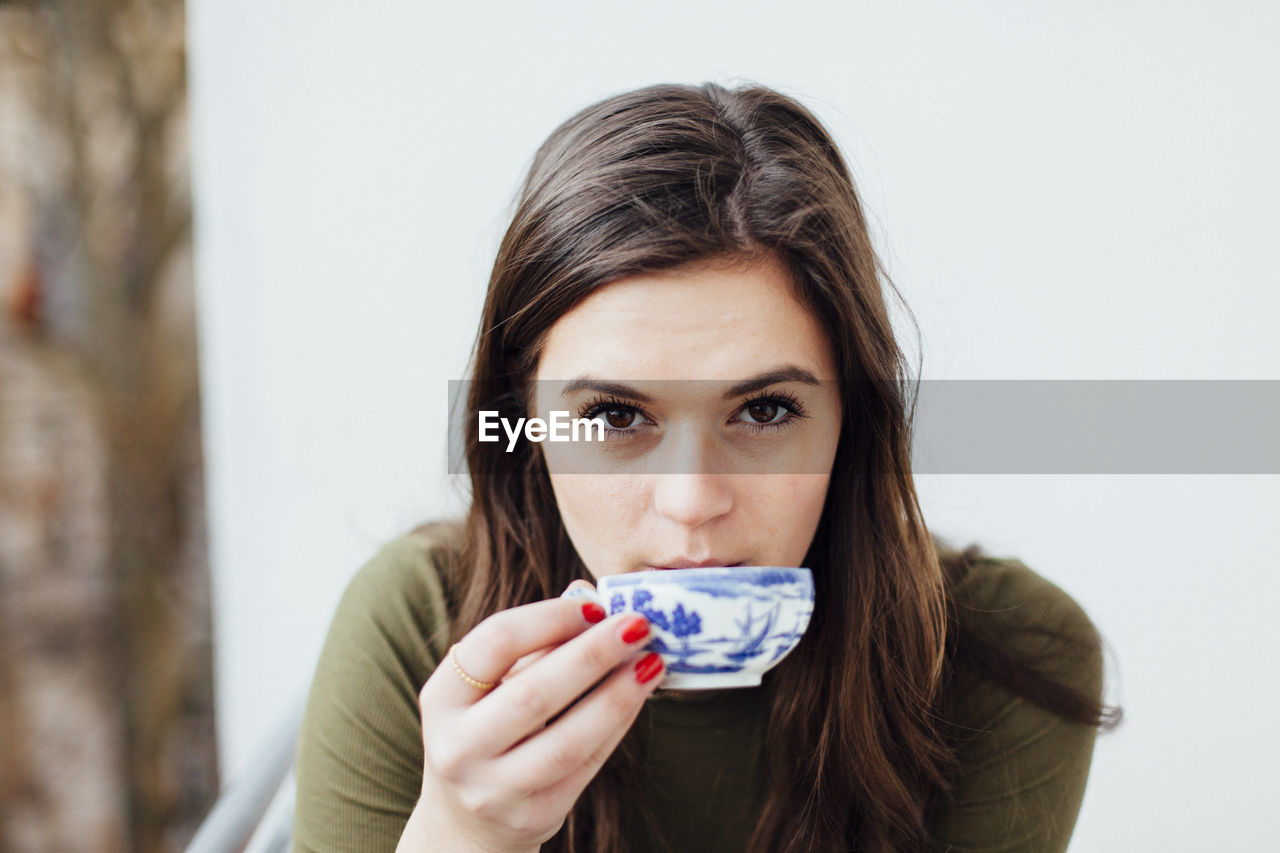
(599, 512)
(808, 495)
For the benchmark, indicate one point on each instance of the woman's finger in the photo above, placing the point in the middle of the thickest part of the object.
(578, 589)
(522, 706)
(558, 762)
(525, 662)
(490, 650)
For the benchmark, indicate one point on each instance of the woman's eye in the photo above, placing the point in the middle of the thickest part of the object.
(618, 418)
(763, 412)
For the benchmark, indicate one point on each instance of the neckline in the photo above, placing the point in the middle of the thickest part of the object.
(701, 708)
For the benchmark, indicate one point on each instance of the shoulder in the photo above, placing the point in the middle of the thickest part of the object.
(401, 589)
(1002, 600)
(392, 622)
(359, 760)
(1021, 768)
(1009, 591)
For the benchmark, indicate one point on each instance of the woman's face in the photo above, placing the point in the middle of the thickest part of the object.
(716, 388)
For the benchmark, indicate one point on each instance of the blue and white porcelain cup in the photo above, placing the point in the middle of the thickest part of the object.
(716, 627)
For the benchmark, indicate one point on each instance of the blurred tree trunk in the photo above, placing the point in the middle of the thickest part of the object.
(102, 554)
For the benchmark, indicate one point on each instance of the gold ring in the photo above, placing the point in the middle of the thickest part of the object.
(474, 682)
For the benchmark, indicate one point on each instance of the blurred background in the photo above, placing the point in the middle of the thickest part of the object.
(1075, 191)
(106, 687)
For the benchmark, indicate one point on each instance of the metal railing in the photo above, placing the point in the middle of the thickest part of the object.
(236, 821)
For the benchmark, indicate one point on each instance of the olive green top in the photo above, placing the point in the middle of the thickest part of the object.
(1018, 789)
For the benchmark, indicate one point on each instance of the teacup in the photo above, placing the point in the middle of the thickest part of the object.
(716, 627)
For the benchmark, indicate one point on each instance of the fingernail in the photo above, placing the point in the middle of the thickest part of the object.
(648, 667)
(636, 628)
(593, 612)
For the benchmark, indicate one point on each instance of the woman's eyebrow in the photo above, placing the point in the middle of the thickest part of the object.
(617, 389)
(786, 373)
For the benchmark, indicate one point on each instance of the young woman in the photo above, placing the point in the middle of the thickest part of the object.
(690, 266)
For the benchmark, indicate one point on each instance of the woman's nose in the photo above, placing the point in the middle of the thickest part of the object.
(692, 499)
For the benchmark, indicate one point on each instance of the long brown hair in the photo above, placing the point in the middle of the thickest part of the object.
(669, 175)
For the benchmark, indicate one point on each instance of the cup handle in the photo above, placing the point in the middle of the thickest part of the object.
(584, 592)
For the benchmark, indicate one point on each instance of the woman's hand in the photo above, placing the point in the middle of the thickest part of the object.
(501, 769)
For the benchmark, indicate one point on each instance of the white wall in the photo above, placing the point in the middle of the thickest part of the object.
(1090, 192)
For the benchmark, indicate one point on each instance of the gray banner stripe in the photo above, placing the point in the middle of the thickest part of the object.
(1001, 426)
(1097, 427)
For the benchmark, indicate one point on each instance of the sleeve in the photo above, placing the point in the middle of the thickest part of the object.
(1022, 769)
(359, 767)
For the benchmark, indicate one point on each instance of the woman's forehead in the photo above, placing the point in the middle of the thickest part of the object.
(722, 321)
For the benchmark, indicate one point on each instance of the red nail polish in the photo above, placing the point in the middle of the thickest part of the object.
(637, 628)
(593, 612)
(648, 667)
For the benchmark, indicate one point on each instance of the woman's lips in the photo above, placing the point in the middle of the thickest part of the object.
(695, 564)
